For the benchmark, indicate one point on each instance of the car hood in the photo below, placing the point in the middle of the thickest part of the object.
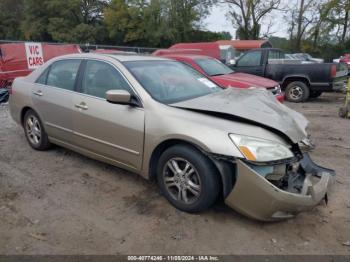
(256, 106)
(249, 80)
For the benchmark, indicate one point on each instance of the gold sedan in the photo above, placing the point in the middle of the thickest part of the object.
(163, 120)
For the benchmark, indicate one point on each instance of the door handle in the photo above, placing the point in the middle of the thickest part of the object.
(82, 105)
(38, 93)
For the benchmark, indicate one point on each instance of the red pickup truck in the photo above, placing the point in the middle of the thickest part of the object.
(225, 76)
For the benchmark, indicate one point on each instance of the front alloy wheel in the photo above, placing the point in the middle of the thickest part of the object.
(187, 178)
(182, 180)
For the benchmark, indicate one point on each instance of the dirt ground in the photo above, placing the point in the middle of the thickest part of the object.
(59, 202)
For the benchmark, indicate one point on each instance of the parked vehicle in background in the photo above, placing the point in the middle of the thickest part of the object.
(112, 51)
(223, 50)
(165, 121)
(20, 59)
(336, 60)
(224, 76)
(180, 51)
(224, 53)
(308, 58)
(345, 59)
(300, 81)
(297, 60)
(241, 46)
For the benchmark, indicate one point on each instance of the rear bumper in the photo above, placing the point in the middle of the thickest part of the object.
(256, 197)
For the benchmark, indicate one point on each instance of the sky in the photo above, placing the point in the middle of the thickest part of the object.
(217, 21)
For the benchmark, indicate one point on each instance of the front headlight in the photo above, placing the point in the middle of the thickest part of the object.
(260, 150)
(278, 89)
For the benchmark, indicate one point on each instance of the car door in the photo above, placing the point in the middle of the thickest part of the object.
(112, 131)
(251, 63)
(53, 98)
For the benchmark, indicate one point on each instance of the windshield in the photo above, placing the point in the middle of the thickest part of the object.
(170, 81)
(213, 67)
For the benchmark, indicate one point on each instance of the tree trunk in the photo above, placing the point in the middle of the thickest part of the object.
(300, 21)
(345, 27)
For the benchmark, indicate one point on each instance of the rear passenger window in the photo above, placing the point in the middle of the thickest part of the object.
(99, 77)
(42, 77)
(63, 74)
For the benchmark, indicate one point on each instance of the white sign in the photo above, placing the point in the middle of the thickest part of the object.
(34, 52)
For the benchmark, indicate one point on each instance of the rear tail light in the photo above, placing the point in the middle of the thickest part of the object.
(334, 71)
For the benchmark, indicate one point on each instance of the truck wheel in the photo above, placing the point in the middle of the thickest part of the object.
(297, 92)
(315, 94)
(187, 178)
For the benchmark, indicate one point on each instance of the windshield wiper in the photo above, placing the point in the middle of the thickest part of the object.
(217, 75)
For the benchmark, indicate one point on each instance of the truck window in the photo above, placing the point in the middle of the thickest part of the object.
(275, 54)
(250, 59)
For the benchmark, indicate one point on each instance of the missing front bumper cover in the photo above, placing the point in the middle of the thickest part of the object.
(253, 195)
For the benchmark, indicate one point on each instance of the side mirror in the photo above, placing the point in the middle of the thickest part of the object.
(118, 97)
(232, 62)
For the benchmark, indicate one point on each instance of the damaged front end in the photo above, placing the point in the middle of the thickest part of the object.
(279, 190)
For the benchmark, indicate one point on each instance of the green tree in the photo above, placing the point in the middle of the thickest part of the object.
(11, 13)
(185, 16)
(63, 21)
(156, 22)
(75, 20)
(124, 20)
(36, 19)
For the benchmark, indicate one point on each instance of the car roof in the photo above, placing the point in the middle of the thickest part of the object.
(191, 56)
(119, 57)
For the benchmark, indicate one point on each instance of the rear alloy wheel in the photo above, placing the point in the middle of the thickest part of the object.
(297, 92)
(187, 178)
(35, 132)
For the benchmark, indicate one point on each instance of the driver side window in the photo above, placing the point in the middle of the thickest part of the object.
(250, 59)
(99, 77)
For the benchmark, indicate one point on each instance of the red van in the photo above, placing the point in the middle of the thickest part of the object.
(222, 52)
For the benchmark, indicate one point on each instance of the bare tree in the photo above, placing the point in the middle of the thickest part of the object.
(320, 24)
(305, 17)
(247, 15)
(332, 21)
(341, 17)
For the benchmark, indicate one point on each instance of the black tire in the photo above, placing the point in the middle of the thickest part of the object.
(315, 94)
(32, 135)
(297, 92)
(205, 175)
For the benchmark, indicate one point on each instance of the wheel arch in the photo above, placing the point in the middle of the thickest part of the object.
(225, 171)
(294, 78)
(23, 113)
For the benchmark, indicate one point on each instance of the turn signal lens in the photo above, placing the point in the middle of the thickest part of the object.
(247, 153)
